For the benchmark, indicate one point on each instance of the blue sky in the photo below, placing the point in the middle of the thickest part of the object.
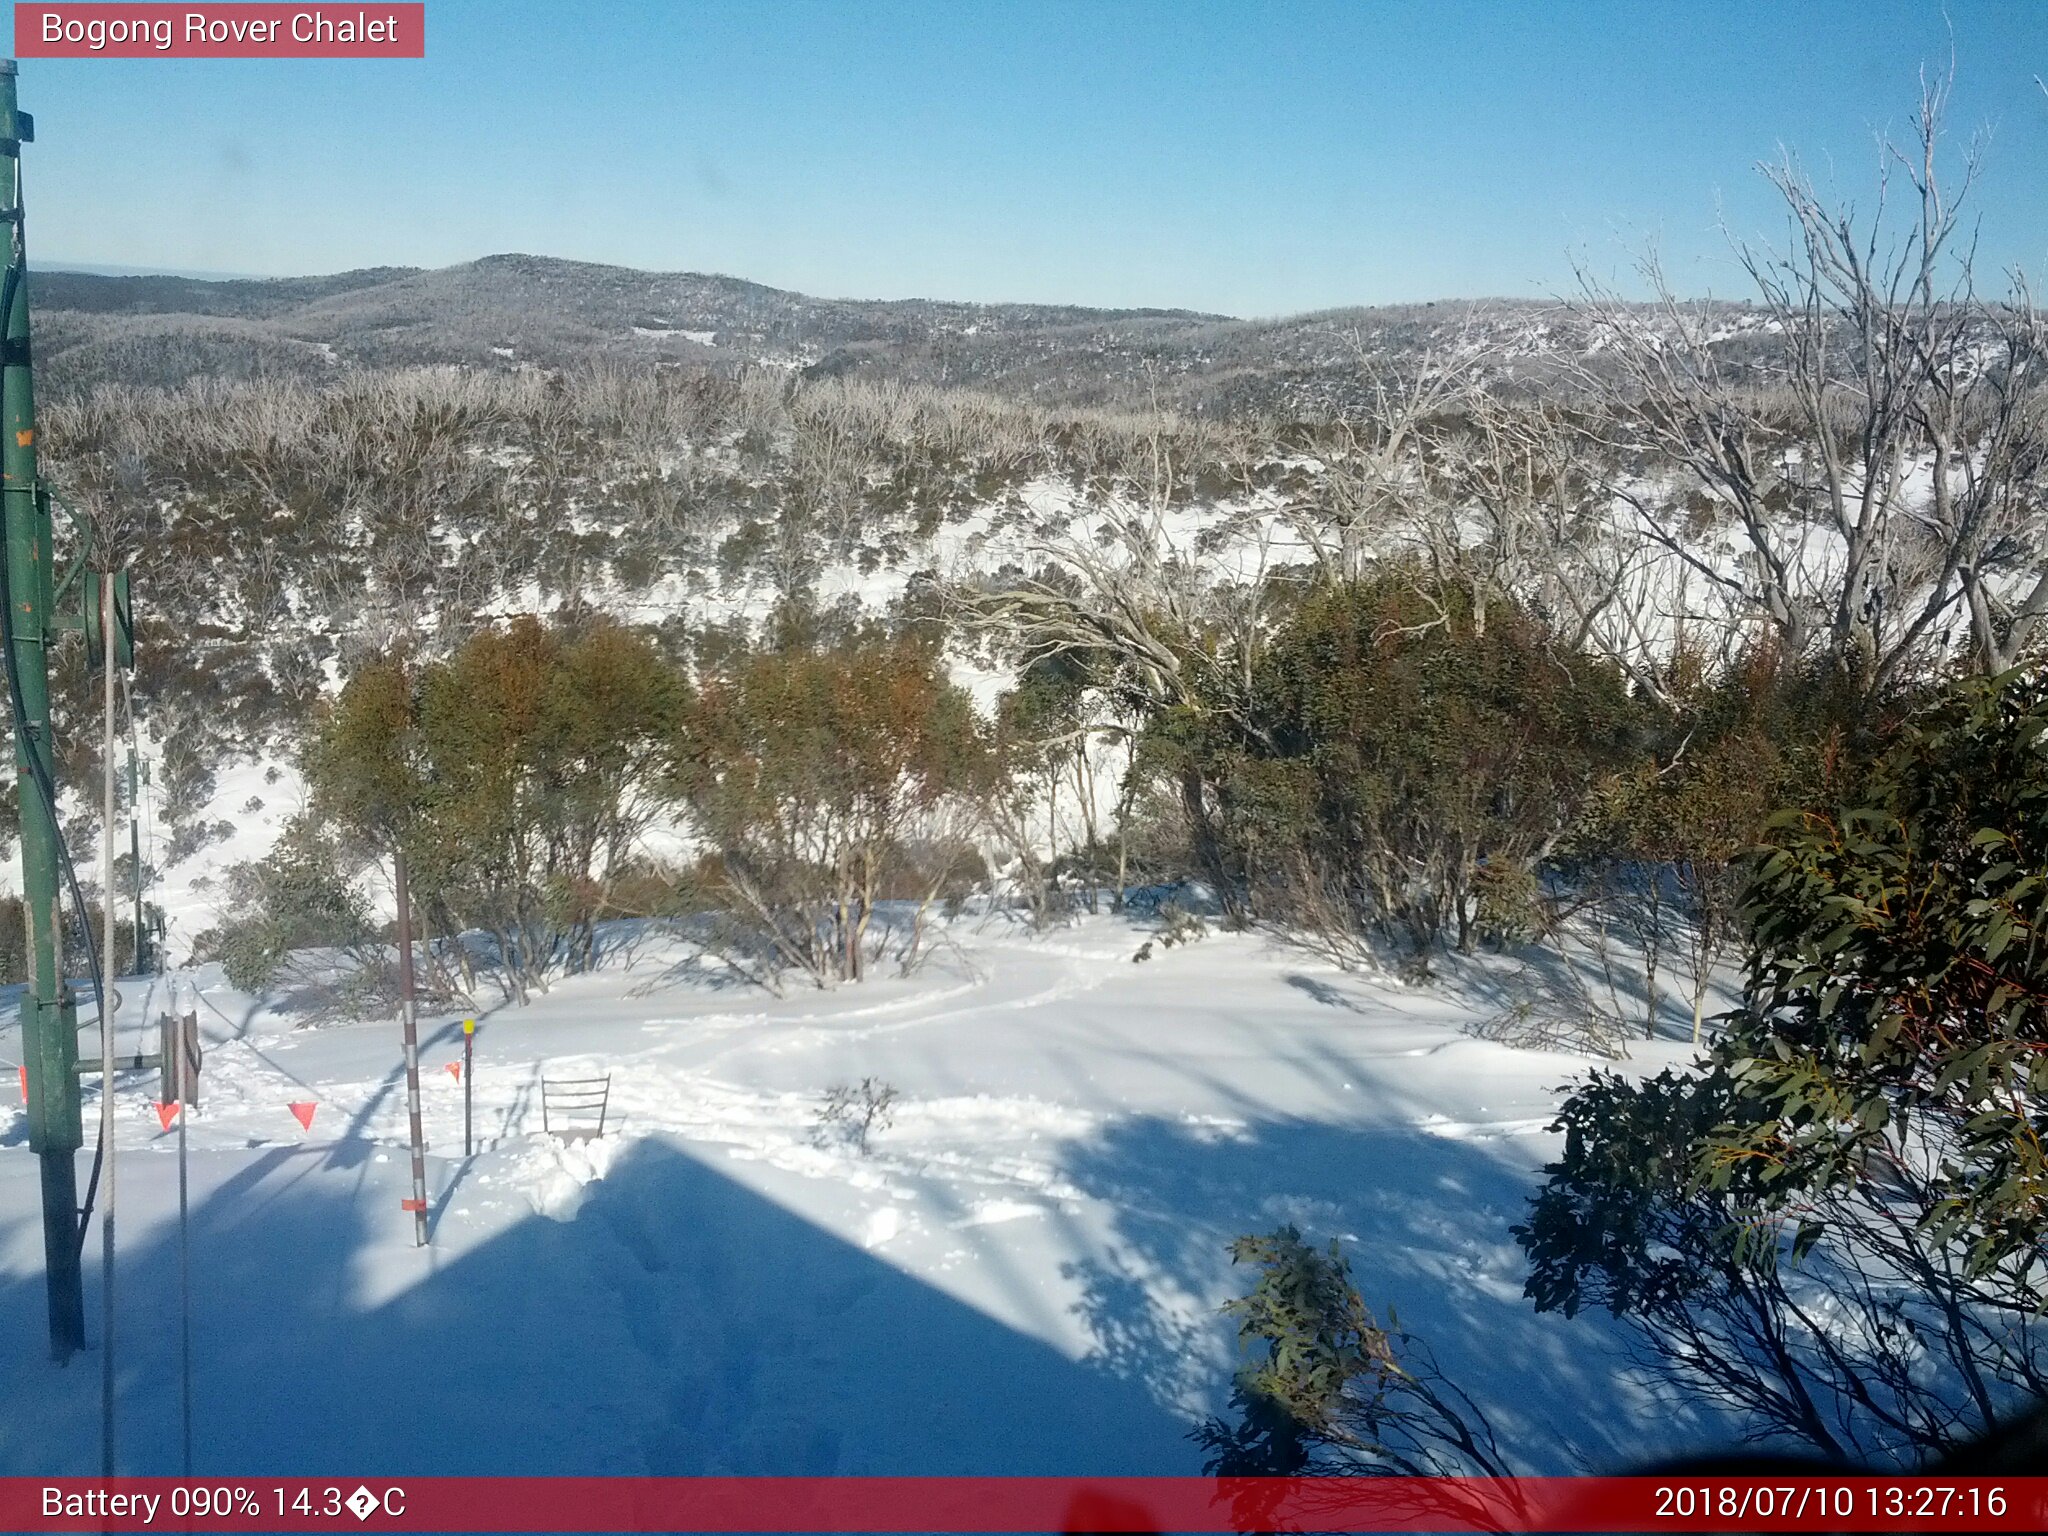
(1248, 158)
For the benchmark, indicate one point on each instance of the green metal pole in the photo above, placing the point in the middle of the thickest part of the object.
(49, 1028)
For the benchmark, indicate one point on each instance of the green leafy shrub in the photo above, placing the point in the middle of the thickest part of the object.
(1330, 1391)
(1837, 1227)
(515, 776)
(1396, 748)
(300, 896)
(818, 774)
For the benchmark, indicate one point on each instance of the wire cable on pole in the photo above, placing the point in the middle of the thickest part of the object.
(39, 772)
(181, 1077)
(184, 1304)
(110, 1005)
(31, 753)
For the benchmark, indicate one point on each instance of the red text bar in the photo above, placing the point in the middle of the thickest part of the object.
(108, 31)
(992, 1504)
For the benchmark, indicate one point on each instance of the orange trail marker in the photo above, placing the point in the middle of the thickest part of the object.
(412, 1205)
(24, 1084)
(303, 1113)
(455, 1070)
(167, 1113)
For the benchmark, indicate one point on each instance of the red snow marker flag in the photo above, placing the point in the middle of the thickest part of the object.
(455, 1070)
(167, 1113)
(303, 1113)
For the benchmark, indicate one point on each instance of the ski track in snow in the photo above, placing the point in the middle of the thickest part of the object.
(1021, 1275)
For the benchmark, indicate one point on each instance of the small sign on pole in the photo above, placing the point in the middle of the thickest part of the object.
(179, 1057)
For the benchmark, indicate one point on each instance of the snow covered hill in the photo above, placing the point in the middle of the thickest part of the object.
(516, 311)
(1021, 1276)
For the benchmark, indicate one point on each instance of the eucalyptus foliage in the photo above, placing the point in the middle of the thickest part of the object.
(1328, 1390)
(1836, 1224)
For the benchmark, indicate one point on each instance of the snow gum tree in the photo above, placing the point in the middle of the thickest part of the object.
(1405, 767)
(815, 771)
(1837, 1225)
(1061, 735)
(542, 747)
(515, 776)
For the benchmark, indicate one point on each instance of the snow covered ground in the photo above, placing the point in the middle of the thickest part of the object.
(1022, 1276)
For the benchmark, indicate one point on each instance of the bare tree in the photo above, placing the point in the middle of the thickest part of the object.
(1879, 466)
(1515, 503)
(1171, 622)
(1374, 470)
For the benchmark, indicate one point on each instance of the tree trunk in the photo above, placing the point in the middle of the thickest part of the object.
(1209, 856)
(1651, 940)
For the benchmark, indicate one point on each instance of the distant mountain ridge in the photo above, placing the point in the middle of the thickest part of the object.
(182, 293)
(520, 310)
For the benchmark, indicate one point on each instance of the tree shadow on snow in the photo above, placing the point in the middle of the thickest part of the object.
(1322, 992)
(1424, 1220)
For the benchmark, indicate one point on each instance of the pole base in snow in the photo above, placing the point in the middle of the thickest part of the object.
(61, 1255)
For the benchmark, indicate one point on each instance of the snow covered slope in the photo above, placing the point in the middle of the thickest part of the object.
(1022, 1276)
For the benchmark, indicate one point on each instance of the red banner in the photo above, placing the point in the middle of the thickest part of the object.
(991, 1504)
(102, 31)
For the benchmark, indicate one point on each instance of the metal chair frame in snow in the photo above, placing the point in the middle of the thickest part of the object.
(564, 1098)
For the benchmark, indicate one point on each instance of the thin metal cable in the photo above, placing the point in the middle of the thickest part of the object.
(185, 1067)
(39, 772)
(110, 1005)
(139, 813)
